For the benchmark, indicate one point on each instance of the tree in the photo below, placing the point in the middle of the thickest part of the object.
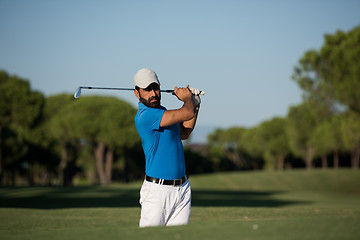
(350, 127)
(107, 124)
(330, 81)
(253, 145)
(118, 132)
(340, 67)
(20, 112)
(275, 142)
(59, 134)
(229, 144)
(331, 75)
(300, 124)
(327, 139)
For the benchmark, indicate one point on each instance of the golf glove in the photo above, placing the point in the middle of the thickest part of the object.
(195, 91)
(196, 97)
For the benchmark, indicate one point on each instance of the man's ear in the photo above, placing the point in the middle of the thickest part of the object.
(137, 94)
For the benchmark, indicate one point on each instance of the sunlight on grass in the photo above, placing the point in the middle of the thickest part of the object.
(251, 205)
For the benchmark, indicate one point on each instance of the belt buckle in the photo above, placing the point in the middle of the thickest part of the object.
(177, 181)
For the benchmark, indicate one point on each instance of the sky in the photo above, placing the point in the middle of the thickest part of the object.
(241, 53)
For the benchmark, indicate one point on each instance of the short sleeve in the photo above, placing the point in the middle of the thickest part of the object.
(149, 119)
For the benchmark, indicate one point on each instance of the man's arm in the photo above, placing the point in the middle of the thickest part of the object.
(183, 114)
(187, 127)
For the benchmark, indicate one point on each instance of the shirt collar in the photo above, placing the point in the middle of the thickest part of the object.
(143, 106)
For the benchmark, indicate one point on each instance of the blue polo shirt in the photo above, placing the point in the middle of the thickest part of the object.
(163, 149)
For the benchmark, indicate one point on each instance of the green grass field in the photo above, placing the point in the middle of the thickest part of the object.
(299, 204)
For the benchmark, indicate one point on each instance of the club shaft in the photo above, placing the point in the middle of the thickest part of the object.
(126, 89)
(78, 91)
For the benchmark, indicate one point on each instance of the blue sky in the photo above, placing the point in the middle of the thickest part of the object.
(241, 53)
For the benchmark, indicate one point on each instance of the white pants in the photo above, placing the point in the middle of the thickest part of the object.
(163, 205)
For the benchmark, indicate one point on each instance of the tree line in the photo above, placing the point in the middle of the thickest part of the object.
(52, 140)
(324, 130)
(58, 140)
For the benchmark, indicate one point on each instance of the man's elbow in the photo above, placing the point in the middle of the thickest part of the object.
(185, 133)
(185, 136)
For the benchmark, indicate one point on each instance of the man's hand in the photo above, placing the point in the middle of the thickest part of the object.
(183, 94)
(196, 97)
(183, 114)
(195, 91)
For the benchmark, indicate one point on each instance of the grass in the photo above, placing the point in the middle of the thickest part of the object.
(298, 204)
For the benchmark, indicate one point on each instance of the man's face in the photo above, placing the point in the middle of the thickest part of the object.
(150, 96)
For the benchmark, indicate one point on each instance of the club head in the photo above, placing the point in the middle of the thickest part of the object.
(77, 93)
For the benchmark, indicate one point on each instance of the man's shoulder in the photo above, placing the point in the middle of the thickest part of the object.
(143, 108)
(146, 112)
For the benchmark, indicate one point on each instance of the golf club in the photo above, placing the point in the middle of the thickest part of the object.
(78, 90)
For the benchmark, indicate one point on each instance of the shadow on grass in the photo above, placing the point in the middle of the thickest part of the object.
(98, 197)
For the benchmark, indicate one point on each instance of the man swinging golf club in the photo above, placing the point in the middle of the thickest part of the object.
(165, 195)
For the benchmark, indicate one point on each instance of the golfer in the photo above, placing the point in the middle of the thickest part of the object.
(165, 195)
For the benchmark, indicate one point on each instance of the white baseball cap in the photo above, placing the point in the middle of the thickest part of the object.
(144, 77)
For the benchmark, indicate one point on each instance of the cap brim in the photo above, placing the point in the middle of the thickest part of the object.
(142, 86)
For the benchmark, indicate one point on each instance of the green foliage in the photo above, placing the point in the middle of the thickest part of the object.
(300, 125)
(99, 133)
(20, 106)
(275, 142)
(330, 79)
(20, 112)
(95, 120)
(54, 114)
(105, 119)
(60, 128)
(340, 58)
(252, 142)
(330, 76)
(231, 145)
(326, 138)
(350, 129)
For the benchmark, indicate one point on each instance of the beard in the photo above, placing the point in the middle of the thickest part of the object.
(149, 102)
